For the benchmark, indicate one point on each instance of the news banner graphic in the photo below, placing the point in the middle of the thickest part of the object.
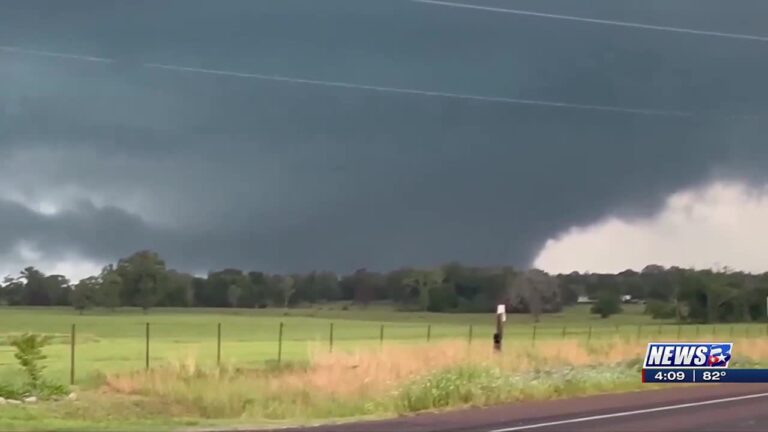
(695, 363)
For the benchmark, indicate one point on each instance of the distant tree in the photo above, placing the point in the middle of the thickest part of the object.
(420, 285)
(394, 284)
(215, 292)
(58, 288)
(35, 292)
(442, 298)
(608, 303)
(85, 293)
(362, 286)
(12, 292)
(658, 309)
(111, 285)
(253, 289)
(144, 279)
(178, 290)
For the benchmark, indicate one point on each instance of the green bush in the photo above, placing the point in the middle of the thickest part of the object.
(660, 309)
(608, 303)
(442, 298)
(29, 354)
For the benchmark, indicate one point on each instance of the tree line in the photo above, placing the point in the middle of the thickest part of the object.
(143, 280)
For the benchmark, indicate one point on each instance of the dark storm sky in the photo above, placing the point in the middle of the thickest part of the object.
(216, 170)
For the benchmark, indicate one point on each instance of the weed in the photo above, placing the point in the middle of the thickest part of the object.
(29, 354)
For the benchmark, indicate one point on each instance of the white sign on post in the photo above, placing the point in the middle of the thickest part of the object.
(502, 310)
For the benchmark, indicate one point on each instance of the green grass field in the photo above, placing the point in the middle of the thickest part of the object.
(116, 341)
(413, 371)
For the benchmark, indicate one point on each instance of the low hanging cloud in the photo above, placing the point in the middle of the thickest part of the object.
(720, 224)
(72, 265)
(213, 168)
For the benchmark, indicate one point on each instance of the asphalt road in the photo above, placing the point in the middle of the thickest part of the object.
(710, 407)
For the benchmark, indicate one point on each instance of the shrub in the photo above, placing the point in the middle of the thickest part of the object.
(659, 309)
(29, 354)
(608, 303)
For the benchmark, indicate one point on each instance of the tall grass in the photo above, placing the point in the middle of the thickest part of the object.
(395, 379)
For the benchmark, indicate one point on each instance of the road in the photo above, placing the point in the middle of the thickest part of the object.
(715, 407)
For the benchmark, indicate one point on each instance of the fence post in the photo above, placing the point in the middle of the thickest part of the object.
(731, 330)
(565, 328)
(330, 338)
(470, 334)
(639, 331)
(533, 336)
(72, 356)
(658, 331)
(714, 330)
(429, 332)
(589, 335)
(280, 344)
(679, 329)
(146, 350)
(381, 335)
(697, 331)
(218, 345)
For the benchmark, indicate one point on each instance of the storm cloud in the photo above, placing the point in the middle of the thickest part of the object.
(98, 159)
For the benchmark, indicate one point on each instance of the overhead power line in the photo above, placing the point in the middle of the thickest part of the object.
(348, 85)
(593, 20)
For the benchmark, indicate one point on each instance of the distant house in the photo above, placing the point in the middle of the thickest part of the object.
(626, 299)
(584, 299)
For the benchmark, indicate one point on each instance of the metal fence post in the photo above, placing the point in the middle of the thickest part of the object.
(330, 338)
(639, 331)
(280, 344)
(589, 335)
(146, 350)
(470, 334)
(381, 335)
(429, 332)
(679, 329)
(72, 356)
(533, 336)
(218, 345)
(565, 330)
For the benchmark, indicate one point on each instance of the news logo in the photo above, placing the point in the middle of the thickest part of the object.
(661, 355)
